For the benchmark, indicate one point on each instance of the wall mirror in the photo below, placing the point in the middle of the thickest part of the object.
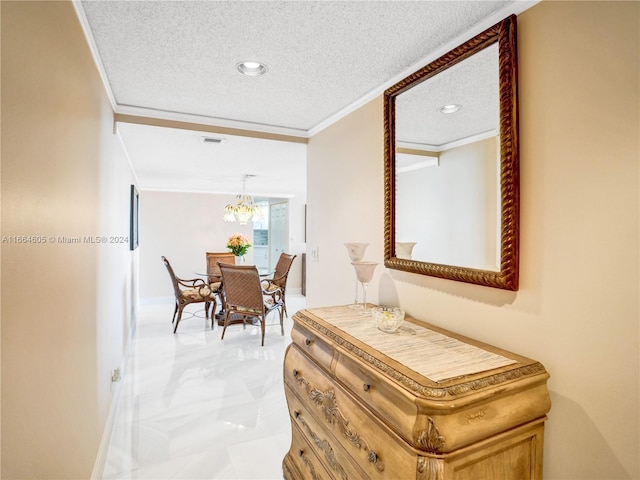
(452, 166)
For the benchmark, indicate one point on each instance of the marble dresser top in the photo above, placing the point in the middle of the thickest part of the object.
(427, 352)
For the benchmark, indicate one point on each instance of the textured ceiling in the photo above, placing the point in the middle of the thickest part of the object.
(472, 84)
(176, 60)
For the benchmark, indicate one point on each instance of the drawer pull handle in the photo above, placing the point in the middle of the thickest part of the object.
(295, 372)
(296, 413)
(300, 452)
(307, 341)
(366, 387)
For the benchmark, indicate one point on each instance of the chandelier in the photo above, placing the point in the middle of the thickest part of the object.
(244, 209)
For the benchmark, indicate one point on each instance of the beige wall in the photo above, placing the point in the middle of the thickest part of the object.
(344, 204)
(183, 226)
(577, 308)
(66, 308)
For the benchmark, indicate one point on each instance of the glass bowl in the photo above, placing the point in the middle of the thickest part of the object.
(388, 319)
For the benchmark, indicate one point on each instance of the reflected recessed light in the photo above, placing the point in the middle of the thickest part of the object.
(251, 68)
(453, 108)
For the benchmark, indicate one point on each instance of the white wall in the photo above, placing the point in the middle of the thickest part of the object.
(463, 187)
(117, 266)
(577, 309)
(184, 226)
(66, 307)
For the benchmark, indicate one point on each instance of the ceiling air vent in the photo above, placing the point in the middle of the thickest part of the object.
(212, 140)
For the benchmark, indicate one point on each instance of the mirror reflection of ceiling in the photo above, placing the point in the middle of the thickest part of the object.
(177, 61)
(472, 84)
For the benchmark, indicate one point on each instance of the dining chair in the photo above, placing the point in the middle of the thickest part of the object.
(279, 279)
(245, 297)
(213, 258)
(214, 275)
(189, 291)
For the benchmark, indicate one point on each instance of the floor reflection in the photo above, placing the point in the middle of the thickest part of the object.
(193, 406)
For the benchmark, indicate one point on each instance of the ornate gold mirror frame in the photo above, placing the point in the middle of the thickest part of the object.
(504, 34)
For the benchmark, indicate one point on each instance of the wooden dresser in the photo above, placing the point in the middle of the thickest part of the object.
(422, 403)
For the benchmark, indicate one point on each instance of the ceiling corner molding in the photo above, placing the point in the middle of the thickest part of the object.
(167, 122)
(512, 9)
(212, 122)
(84, 23)
(258, 195)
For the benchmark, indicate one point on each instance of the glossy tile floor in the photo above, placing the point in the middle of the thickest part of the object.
(192, 406)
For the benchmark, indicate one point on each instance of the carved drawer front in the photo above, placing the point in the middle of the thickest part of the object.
(306, 464)
(313, 345)
(394, 406)
(456, 422)
(379, 453)
(325, 446)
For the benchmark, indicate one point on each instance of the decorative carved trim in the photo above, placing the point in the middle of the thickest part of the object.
(429, 469)
(430, 438)
(310, 466)
(333, 415)
(324, 445)
(291, 471)
(477, 415)
(411, 384)
(504, 33)
(533, 369)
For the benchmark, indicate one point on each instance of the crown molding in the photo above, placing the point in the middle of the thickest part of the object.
(514, 8)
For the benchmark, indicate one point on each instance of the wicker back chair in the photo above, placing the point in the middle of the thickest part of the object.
(213, 258)
(189, 291)
(215, 277)
(279, 279)
(245, 297)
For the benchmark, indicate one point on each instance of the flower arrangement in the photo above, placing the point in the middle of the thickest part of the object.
(238, 244)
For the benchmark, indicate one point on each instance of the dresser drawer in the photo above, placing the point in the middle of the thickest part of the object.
(318, 401)
(313, 345)
(305, 463)
(392, 405)
(325, 446)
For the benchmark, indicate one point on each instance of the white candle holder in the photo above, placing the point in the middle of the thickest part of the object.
(356, 253)
(364, 272)
(404, 249)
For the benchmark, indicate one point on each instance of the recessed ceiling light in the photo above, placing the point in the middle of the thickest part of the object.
(252, 68)
(453, 108)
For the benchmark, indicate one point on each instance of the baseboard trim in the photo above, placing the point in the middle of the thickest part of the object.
(101, 458)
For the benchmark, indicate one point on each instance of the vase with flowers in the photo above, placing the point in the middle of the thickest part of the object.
(238, 244)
